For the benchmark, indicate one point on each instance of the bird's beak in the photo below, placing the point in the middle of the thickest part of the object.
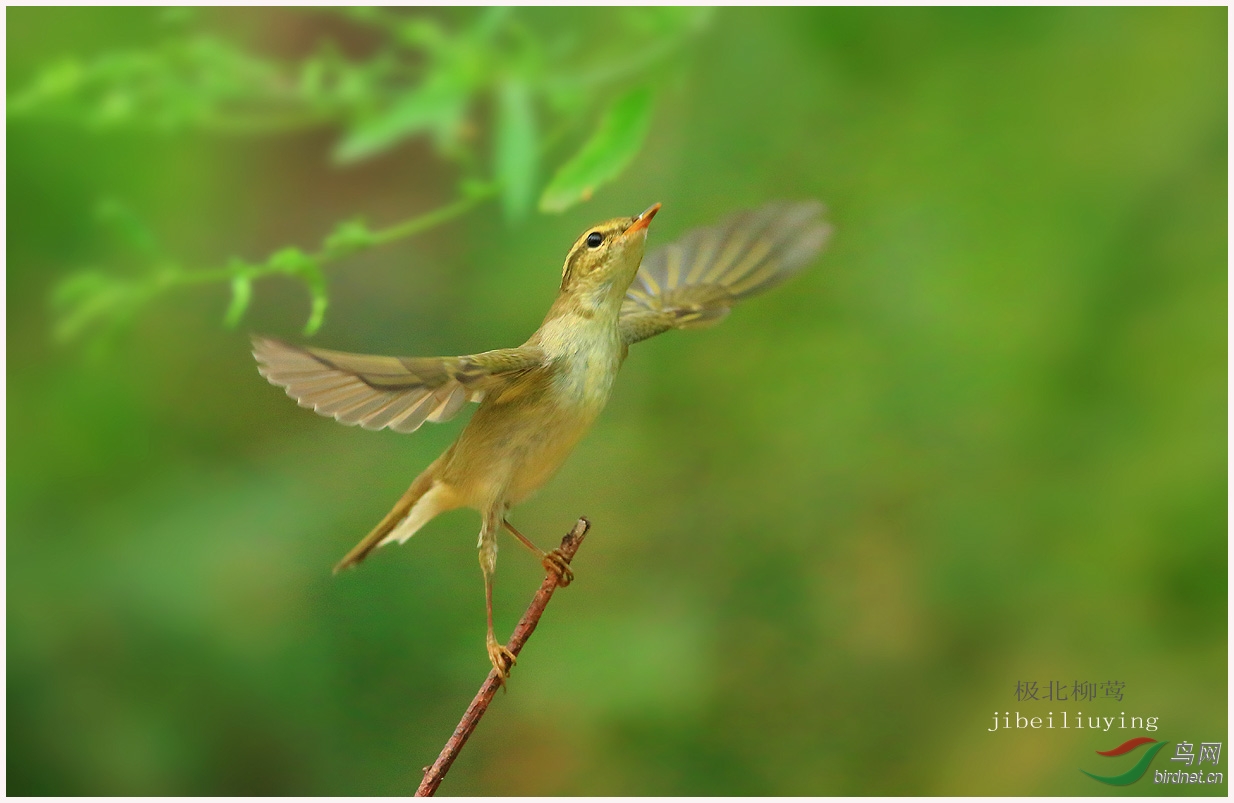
(641, 222)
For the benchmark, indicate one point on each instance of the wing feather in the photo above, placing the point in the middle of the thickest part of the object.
(695, 281)
(399, 393)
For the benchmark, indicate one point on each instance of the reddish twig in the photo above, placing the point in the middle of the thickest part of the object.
(522, 631)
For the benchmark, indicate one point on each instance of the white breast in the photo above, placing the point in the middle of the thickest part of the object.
(588, 351)
(586, 356)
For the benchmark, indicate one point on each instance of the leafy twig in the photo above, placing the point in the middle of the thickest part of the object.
(434, 775)
(91, 298)
(423, 78)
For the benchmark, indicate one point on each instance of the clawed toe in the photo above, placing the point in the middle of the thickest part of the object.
(556, 563)
(502, 659)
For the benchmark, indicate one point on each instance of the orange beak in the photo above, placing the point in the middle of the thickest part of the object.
(641, 222)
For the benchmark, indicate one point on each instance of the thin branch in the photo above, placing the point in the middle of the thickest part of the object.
(90, 298)
(526, 626)
(415, 225)
(326, 254)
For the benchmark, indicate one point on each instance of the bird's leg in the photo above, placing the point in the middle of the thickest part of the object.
(554, 561)
(503, 660)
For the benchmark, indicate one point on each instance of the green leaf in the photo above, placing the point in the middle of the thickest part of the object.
(488, 23)
(316, 281)
(130, 228)
(347, 238)
(437, 105)
(295, 262)
(241, 294)
(610, 150)
(515, 154)
(667, 22)
(292, 260)
(91, 298)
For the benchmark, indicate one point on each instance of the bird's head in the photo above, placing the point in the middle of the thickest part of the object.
(604, 259)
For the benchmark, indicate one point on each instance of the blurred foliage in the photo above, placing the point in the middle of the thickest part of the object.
(535, 86)
(982, 441)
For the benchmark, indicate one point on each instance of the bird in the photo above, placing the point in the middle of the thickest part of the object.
(538, 399)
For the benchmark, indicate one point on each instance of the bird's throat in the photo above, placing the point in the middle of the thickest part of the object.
(600, 302)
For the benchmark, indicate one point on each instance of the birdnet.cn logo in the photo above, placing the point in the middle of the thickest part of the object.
(1184, 752)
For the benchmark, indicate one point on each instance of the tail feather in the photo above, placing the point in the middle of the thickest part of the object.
(415, 508)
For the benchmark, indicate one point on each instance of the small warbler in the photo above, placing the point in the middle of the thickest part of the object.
(537, 400)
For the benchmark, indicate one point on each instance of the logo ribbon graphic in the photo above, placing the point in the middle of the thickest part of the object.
(1132, 775)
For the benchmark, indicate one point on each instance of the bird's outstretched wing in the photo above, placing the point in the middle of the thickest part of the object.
(396, 392)
(694, 281)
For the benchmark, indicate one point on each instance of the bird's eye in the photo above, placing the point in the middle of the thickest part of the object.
(594, 239)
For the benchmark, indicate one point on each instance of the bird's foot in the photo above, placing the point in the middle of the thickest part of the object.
(555, 562)
(502, 659)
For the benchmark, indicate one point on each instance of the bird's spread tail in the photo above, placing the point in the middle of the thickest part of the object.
(423, 500)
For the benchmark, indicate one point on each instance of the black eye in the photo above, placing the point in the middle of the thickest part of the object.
(594, 239)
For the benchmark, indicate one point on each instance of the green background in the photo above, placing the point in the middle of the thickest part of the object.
(981, 441)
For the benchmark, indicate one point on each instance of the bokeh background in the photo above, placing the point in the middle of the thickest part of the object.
(982, 441)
